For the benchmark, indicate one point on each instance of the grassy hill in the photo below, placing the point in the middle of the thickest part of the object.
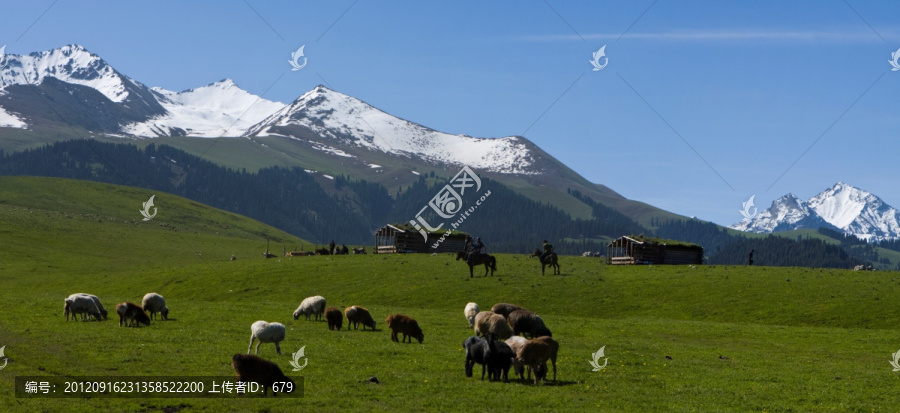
(676, 338)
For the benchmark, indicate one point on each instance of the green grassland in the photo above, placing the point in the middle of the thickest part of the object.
(677, 338)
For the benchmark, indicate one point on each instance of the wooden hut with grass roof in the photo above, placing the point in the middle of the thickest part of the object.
(403, 238)
(644, 250)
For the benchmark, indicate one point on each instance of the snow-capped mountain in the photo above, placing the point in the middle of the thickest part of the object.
(348, 123)
(219, 109)
(70, 64)
(70, 93)
(34, 89)
(842, 207)
(71, 86)
(76, 88)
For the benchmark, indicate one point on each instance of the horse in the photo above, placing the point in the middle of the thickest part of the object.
(550, 260)
(490, 263)
(359, 250)
(323, 251)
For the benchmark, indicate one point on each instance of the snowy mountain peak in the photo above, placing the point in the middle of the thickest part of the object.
(218, 109)
(345, 121)
(843, 207)
(72, 64)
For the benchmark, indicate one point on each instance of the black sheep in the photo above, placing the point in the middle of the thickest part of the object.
(251, 368)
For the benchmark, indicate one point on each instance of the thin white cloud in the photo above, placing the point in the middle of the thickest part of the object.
(749, 35)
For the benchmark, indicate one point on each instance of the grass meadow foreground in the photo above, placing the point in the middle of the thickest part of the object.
(677, 338)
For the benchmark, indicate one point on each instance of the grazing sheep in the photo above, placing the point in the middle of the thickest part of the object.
(488, 322)
(99, 305)
(470, 311)
(81, 304)
(525, 322)
(250, 368)
(155, 303)
(478, 350)
(536, 352)
(500, 361)
(309, 306)
(399, 323)
(334, 318)
(266, 332)
(515, 343)
(504, 309)
(357, 315)
(554, 352)
(131, 314)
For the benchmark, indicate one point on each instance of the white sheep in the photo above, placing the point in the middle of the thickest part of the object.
(470, 312)
(309, 306)
(515, 343)
(96, 300)
(81, 304)
(266, 332)
(490, 322)
(155, 303)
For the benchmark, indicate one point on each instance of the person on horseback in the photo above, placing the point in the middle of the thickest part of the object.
(476, 248)
(548, 249)
(468, 247)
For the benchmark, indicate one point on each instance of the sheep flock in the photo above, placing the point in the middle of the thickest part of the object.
(509, 337)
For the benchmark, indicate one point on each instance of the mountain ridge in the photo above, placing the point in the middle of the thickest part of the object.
(322, 130)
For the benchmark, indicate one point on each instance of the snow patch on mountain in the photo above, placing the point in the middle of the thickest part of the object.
(353, 122)
(8, 120)
(212, 111)
(71, 64)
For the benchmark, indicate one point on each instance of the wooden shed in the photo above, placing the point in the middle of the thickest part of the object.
(639, 250)
(404, 238)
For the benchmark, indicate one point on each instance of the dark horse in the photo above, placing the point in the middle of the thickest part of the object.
(550, 260)
(490, 263)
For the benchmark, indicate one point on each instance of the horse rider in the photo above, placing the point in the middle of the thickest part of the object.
(468, 247)
(476, 248)
(548, 249)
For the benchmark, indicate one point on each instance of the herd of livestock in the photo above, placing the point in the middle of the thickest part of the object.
(499, 343)
(487, 347)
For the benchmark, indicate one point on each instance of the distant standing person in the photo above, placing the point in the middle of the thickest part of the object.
(331, 247)
(751, 256)
(548, 249)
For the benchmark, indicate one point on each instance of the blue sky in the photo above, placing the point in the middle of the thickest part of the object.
(702, 104)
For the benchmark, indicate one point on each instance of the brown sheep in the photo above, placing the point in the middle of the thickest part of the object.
(488, 322)
(250, 368)
(334, 318)
(504, 309)
(536, 352)
(357, 315)
(399, 323)
(525, 322)
(131, 313)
